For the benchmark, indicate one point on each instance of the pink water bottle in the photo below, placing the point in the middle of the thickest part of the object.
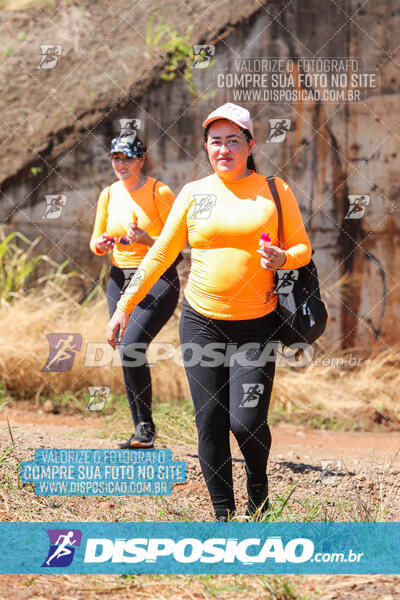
(265, 240)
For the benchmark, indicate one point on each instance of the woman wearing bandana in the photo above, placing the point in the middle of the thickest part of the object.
(229, 301)
(130, 216)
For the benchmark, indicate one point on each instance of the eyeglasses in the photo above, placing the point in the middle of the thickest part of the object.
(227, 144)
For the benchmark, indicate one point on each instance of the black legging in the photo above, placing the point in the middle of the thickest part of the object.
(230, 398)
(146, 320)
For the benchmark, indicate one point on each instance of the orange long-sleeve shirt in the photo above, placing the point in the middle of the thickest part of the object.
(223, 221)
(117, 207)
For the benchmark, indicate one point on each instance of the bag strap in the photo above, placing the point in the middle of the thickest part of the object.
(275, 195)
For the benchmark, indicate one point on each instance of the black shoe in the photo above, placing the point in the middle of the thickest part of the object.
(226, 516)
(143, 437)
(258, 503)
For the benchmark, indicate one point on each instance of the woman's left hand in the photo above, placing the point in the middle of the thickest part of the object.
(272, 258)
(139, 236)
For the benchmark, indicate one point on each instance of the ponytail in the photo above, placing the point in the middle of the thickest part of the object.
(251, 165)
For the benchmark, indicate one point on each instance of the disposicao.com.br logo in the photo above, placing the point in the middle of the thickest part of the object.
(212, 550)
(230, 552)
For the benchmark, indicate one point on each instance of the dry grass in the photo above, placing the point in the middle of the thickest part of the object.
(158, 587)
(24, 348)
(321, 391)
(198, 587)
(342, 391)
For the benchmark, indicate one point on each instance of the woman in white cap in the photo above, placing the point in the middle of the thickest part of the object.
(130, 216)
(228, 319)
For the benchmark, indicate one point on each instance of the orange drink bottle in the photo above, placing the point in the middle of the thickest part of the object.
(123, 239)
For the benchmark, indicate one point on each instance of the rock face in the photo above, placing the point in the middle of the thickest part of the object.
(332, 150)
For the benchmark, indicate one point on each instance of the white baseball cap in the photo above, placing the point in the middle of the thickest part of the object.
(238, 115)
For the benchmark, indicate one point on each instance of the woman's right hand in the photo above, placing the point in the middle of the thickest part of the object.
(104, 243)
(116, 327)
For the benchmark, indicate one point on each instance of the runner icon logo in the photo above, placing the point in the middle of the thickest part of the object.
(62, 547)
(98, 396)
(279, 128)
(252, 394)
(62, 351)
(202, 207)
(357, 206)
(54, 205)
(129, 128)
(50, 55)
(133, 279)
(202, 56)
(286, 281)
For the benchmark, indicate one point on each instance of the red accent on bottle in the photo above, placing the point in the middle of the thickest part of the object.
(265, 240)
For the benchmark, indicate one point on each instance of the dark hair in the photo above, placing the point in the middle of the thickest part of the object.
(140, 143)
(251, 165)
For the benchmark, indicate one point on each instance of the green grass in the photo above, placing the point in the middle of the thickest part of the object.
(310, 420)
(280, 588)
(175, 420)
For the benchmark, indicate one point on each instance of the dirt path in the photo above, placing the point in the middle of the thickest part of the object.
(359, 463)
(361, 482)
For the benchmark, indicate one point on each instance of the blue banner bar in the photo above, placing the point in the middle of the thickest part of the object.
(193, 548)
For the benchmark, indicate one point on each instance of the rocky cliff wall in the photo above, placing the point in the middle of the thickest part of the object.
(332, 149)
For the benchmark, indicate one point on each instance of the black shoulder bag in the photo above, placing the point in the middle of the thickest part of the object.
(301, 311)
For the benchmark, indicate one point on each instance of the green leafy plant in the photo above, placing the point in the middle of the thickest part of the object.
(18, 265)
(280, 588)
(179, 51)
(36, 170)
